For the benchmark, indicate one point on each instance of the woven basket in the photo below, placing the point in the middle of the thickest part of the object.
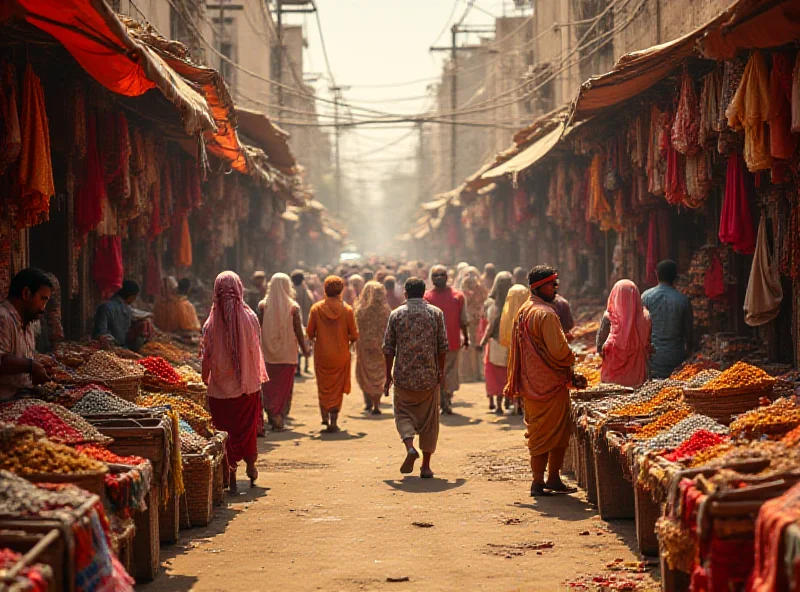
(196, 503)
(647, 513)
(91, 481)
(123, 546)
(169, 520)
(614, 492)
(723, 405)
(127, 388)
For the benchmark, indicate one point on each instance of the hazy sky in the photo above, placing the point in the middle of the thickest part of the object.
(385, 42)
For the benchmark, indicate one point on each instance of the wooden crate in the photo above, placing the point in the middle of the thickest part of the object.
(673, 580)
(169, 520)
(614, 493)
(44, 548)
(145, 546)
(647, 513)
(144, 436)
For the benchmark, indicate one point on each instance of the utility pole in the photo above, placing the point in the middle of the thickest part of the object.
(337, 97)
(454, 49)
(421, 163)
(279, 60)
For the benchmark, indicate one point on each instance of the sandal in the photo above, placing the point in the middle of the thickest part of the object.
(252, 474)
(561, 489)
(408, 464)
(538, 490)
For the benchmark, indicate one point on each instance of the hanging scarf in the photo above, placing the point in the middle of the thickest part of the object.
(624, 352)
(92, 191)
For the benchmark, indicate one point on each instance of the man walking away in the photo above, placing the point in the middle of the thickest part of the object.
(672, 319)
(540, 370)
(453, 304)
(415, 347)
(305, 300)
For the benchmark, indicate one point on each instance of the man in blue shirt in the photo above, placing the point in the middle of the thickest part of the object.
(113, 318)
(672, 318)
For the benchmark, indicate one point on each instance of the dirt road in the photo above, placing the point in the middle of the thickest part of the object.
(333, 512)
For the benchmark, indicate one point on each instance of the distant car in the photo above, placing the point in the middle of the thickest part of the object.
(349, 256)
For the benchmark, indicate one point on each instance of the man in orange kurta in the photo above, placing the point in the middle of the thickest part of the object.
(332, 328)
(539, 372)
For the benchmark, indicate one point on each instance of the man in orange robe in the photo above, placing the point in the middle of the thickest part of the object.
(332, 328)
(539, 372)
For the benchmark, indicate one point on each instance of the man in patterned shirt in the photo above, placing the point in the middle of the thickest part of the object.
(415, 346)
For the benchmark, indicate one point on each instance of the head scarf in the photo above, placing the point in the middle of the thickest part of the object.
(624, 355)
(474, 291)
(372, 313)
(333, 286)
(461, 268)
(497, 298)
(277, 329)
(230, 334)
(517, 296)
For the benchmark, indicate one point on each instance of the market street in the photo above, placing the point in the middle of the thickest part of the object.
(332, 512)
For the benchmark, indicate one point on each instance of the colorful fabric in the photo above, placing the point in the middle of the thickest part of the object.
(782, 142)
(493, 307)
(332, 326)
(495, 376)
(517, 296)
(91, 193)
(625, 351)
(540, 360)
(372, 316)
(416, 336)
(671, 323)
(454, 306)
(750, 110)
(736, 219)
(107, 269)
(564, 312)
(417, 412)
(35, 165)
(278, 339)
(18, 340)
(230, 347)
(277, 393)
(239, 417)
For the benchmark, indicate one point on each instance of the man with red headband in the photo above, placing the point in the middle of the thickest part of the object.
(539, 372)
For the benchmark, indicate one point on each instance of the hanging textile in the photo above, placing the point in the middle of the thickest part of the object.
(709, 106)
(152, 281)
(796, 95)
(728, 140)
(657, 244)
(698, 178)
(762, 302)
(107, 270)
(655, 161)
(714, 278)
(749, 111)
(736, 221)
(91, 192)
(11, 138)
(598, 209)
(782, 142)
(184, 255)
(118, 172)
(686, 125)
(35, 165)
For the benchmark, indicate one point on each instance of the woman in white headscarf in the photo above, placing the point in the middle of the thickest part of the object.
(281, 335)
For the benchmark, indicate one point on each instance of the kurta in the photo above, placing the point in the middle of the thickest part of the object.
(539, 370)
(332, 325)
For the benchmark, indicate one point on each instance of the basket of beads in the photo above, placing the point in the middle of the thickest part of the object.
(737, 390)
(123, 377)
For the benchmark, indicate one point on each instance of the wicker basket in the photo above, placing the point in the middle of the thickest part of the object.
(196, 503)
(586, 454)
(216, 449)
(122, 544)
(93, 482)
(169, 520)
(127, 388)
(723, 405)
(647, 513)
(614, 492)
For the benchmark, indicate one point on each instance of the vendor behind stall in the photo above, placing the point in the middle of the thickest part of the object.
(27, 299)
(113, 321)
(187, 320)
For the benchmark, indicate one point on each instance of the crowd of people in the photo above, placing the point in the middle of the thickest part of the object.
(417, 330)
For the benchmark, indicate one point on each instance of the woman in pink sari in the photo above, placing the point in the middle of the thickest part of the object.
(233, 369)
(624, 337)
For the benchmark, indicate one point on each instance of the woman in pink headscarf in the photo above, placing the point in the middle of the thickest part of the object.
(233, 369)
(624, 337)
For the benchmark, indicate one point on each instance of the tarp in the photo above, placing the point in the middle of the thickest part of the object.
(271, 138)
(529, 156)
(745, 24)
(99, 42)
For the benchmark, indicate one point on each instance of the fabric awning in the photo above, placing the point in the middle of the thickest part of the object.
(271, 138)
(529, 156)
(745, 24)
(434, 204)
(100, 43)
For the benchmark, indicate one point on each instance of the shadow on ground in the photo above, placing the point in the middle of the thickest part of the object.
(418, 485)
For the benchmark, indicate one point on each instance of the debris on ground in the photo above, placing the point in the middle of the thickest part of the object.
(423, 524)
(517, 549)
(613, 583)
(398, 579)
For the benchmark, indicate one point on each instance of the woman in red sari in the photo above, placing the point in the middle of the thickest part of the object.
(281, 334)
(233, 369)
